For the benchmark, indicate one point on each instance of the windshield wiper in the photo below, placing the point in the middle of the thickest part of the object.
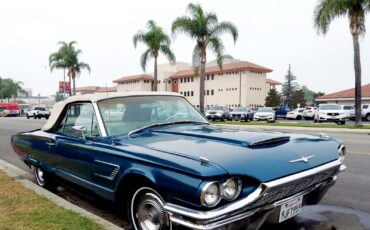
(164, 124)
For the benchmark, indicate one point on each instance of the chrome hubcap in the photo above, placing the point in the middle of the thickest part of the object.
(40, 176)
(149, 213)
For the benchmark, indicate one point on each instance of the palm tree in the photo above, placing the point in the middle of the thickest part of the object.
(76, 70)
(67, 58)
(206, 30)
(157, 41)
(325, 12)
(10, 88)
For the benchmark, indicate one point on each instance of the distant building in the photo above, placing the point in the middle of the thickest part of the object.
(238, 83)
(95, 89)
(346, 97)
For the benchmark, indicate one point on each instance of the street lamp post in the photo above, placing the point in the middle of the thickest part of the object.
(39, 99)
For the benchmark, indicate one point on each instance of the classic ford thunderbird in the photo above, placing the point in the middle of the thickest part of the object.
(157, 156)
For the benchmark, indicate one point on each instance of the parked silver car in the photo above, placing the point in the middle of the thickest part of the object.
(218, 113)
(242, 113)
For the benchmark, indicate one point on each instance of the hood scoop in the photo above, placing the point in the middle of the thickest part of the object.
(269, 141)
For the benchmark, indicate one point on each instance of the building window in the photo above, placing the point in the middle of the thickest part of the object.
(181, 80)
(192, 93)
(212, 92)
(207, 92)
(212, 77)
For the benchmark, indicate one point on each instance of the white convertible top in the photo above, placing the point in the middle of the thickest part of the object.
(59, 106)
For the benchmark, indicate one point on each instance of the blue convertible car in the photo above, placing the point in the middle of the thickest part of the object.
(157, 156)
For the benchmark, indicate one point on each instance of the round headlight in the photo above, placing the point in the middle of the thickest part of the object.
(211, 194)
(342, 153)
(231, 188)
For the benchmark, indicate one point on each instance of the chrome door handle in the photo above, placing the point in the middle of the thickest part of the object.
(50, 143)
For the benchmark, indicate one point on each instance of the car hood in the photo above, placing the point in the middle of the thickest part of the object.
(263, 113)
(263, 156)
(331, 111)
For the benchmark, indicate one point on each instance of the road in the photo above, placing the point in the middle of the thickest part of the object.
(351, 191)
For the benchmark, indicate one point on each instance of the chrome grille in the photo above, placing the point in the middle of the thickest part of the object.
(333, 114)
(281, 192)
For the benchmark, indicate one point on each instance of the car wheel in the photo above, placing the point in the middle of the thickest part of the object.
(299, 117)
(342, 122)
(34, 116)
(368, 117)
(146, 210)
(28, 117)
(47, 117)
(43, 178)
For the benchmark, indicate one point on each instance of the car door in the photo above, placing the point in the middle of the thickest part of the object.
(75, 143)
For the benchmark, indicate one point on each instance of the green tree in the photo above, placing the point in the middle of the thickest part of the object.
(10, 88)
(156, 41)
(309, 95)
(325, 12)
(298, 97)
(205, 29)
(67, 58)
(273, 98)
(290, 86)
(58, 97)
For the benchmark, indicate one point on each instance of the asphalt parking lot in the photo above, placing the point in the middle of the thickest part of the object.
(345, 206)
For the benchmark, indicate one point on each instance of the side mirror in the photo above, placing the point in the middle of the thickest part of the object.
(78, 131)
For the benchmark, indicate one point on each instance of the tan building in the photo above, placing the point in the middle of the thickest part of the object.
(238, 83)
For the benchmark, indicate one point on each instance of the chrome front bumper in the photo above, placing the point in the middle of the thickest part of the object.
(241, 209)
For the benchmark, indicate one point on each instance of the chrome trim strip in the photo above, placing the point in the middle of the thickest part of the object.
(342, 168)
(224, 210)
(103, 132)
(306, 173)
(113, 173)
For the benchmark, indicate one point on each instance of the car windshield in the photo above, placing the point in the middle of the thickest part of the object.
(126, 114)
(330, 107)
(217, 108)
(40, 109)
(264, 109)
(347, 107)
(240, 109)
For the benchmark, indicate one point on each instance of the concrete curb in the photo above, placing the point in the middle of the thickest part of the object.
(287, 128)
(19, 175)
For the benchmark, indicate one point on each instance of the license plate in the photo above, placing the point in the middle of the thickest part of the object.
(290, 209)
(213, 116)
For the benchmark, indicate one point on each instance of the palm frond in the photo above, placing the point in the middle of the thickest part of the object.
(139, 36)
(225, 27)
(145, 57)
(217, 46)
(168, 53)
(183, 25)
(327, 10)
(196, 57)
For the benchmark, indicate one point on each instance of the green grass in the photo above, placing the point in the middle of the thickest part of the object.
(21, 208)
(320, 125)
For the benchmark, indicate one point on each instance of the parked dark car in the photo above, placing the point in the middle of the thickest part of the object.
(242, 113)
(171, 171)
(281, 112)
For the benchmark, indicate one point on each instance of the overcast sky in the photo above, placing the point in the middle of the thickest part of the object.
(272, 33)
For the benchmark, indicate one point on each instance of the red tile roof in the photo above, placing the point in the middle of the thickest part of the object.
(107, 89)
(95, 89)
(134, 77)
(235, 66)
(272, 82)
(87, 88)
(348, 93)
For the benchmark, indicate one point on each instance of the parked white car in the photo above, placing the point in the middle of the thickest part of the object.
(330, 113)
(296, 114)
(347, 110)
(309, 113)
(264, 114)
(365, 112)
(38, 112)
